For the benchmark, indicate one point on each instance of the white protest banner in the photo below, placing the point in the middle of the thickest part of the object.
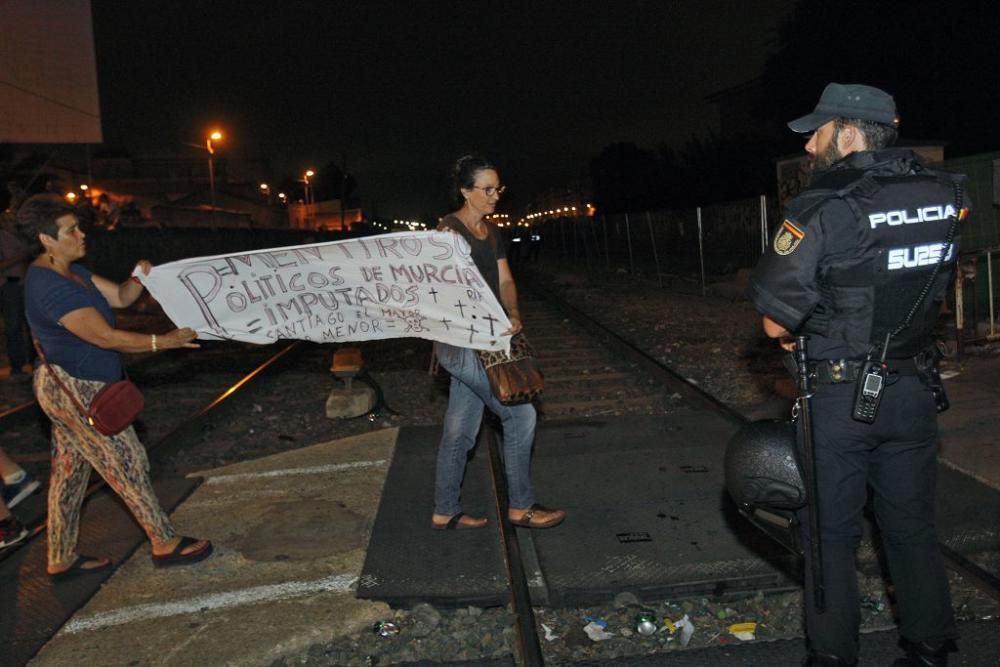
(420, 284)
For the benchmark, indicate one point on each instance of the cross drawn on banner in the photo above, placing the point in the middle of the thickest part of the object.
(491, 320)
(369, 288)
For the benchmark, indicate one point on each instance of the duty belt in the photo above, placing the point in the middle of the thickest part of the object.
(836, 371)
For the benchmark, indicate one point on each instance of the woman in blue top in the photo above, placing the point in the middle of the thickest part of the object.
(477, 188)
(69, 310)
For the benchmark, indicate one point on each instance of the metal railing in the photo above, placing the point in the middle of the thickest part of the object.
(977, 329)
(714, 242)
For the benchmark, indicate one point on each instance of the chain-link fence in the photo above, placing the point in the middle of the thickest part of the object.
(714, 241)
(708, 241)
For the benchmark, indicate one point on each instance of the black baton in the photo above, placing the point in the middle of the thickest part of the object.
(805, 432)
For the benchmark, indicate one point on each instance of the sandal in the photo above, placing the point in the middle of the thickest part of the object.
(178, 557)
(78, 567)
(456, 522)
(531, 518)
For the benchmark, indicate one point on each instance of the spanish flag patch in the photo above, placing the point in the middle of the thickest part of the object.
(788, 238)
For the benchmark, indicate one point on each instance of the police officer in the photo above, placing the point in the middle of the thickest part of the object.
(864, 256)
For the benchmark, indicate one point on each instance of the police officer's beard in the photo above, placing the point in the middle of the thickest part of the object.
(830, 154)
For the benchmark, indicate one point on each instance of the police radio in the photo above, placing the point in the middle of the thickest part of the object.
(871, 383)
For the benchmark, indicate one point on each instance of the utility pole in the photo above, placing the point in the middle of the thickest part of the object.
(343, 187)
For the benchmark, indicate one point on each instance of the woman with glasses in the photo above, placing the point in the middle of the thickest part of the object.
(477, 188)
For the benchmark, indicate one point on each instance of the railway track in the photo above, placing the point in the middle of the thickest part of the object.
(591, 370)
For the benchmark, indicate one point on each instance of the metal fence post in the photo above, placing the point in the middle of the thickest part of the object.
(628, 237)
(607, 252)
(959, 313)
(583, 239)
(656, 255)
(989, 286)
(763, 224)
(701, 253)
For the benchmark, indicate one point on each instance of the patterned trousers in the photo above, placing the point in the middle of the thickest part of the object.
(76, 447)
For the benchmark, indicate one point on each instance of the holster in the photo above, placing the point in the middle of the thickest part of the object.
(927, 369)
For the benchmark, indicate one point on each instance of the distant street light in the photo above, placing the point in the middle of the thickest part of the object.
(214, 136)
(265, 191)
(308, 190)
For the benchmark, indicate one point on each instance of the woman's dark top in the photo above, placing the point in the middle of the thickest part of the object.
(48, 297)
(485, 252)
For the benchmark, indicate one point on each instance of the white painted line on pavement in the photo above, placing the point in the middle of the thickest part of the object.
(969, 473)
(339, 583)
(312, 470)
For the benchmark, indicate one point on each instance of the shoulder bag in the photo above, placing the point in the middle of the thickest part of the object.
(516, 378)
(112, 409)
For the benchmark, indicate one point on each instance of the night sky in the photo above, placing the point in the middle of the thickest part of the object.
(405, 87)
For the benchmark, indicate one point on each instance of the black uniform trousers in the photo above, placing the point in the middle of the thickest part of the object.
(897, 457)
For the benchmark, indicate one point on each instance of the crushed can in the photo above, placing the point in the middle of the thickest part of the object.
(645, 623)
(385, 628)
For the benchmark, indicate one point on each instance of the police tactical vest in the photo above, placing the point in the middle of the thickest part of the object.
(904, 221)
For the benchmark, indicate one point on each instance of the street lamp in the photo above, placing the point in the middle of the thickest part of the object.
(265, 191)
(308, 191)
(214, 136)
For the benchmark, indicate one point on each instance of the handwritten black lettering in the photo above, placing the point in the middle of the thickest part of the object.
(444, 245)
(371, 273)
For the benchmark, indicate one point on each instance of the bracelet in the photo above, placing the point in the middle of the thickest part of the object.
(153, 340)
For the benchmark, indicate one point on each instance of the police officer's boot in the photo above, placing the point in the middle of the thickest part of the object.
(922, 654)
(815, 659)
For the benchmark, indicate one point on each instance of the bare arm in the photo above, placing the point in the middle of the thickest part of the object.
(121, 295)
(88, 324)
(508, 297)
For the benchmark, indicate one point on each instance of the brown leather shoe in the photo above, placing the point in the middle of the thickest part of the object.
(461, 521)
(538, 516)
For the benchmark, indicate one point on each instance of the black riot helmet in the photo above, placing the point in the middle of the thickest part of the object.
(762, 466)
(764, 478)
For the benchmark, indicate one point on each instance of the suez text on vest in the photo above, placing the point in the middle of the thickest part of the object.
(918, 255)
(904, 217)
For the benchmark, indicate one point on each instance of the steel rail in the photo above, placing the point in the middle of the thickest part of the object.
(99, 483)
(529, 647)
(980, 577)
(696, 395)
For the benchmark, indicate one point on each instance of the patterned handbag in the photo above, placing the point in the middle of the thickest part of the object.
(514, 379)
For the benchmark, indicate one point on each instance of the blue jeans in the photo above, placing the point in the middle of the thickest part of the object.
(470, 391)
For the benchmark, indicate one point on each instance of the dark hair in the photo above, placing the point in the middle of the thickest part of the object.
(463, 174)
(877, 135)
(38, 215)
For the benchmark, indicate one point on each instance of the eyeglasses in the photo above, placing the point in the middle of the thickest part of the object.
(489, 191)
